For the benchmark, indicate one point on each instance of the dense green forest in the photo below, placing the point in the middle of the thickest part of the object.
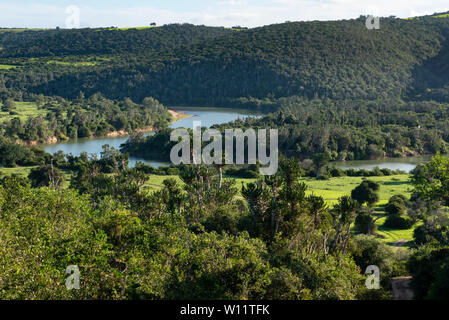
(184, 64)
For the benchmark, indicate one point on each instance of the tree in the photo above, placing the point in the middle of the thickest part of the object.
(395, 210)
(8, 105)
(320, 160)
(39, 99)
(368, 250)
(431, 181)
(46, 176)
(430, 268)
(366, 193)
(364, 221)
(343, 215)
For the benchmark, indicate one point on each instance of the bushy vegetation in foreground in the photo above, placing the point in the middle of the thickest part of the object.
(199, 241)
(205, 238)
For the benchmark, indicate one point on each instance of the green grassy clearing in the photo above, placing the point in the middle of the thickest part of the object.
(73, 64)
(446, 15)
(21, 171)
(335, 188)
(25, 171)
(6, 66)
(330, 190)
(394, 237)
(23, 110)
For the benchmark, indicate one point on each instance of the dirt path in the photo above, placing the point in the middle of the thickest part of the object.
(400, 243)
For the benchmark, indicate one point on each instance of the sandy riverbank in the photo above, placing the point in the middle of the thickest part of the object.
(178, 115)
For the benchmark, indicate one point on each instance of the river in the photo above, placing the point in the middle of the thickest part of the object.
(403, 164)
(209, 117)
(93, 146)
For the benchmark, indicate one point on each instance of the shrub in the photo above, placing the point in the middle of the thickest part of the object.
(336, 172)
(395, 208)
(324, 177)
(429, 268)
(364, 222)
(398, 222)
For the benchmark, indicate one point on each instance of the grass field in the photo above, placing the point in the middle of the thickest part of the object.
(21, 171)
(23, 110)
(73, 64)
(446, 15)
(25, 171)
(335, 188)
(6, 66)
(330, 190)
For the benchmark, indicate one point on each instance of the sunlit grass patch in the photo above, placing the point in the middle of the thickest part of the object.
(335, 188)
(22, 110)
(73, 64)
(20, 171)
(6, 66)
(445, 15)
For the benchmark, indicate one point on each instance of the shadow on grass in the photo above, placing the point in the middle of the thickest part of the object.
(395, 183)
(380, 209)
(398, 243)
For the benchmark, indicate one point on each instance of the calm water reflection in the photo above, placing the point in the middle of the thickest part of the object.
(407, 164)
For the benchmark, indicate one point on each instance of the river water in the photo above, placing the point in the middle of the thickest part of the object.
(403, 164)
(93, 146)
(209, 117)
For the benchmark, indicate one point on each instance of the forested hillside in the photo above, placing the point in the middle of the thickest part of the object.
(103, 41)
(185, 64)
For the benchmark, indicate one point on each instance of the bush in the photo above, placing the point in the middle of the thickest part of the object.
(395, 208)
(368, 250)
(336, 172)
(429, 268)
(364, 222)
(173, 171)
(45, 176)
(398, 222)
(367, 192)
(243, 173)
